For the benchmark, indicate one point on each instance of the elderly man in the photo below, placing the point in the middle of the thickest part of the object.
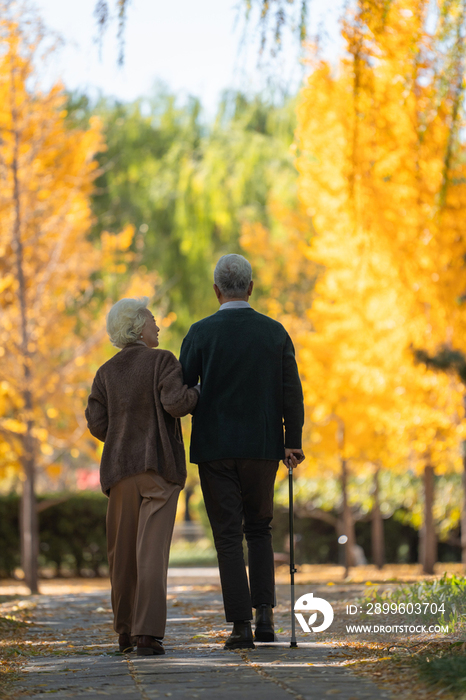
(250, 392)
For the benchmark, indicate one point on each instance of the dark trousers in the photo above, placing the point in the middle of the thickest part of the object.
(238, 495)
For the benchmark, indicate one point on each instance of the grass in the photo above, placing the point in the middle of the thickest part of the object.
(439, 662)
(448, 594)
(445, 668)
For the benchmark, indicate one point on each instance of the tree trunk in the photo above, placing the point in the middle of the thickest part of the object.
(29, 519)
(347, 515)
(348, 521)
(340, 530)
(463, 511)
(29, 522)
(428, 539)
(188, 492)
(377, 533)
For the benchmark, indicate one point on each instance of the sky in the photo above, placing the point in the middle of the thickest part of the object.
(194, 47)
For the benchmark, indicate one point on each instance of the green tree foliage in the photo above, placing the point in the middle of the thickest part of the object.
(188, 187)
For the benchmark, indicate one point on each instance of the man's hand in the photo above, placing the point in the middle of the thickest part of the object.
(293, 457)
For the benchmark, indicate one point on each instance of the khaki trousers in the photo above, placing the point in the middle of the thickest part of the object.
(140, 517)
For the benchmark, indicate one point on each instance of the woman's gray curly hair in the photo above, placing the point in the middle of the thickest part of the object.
(126, 320)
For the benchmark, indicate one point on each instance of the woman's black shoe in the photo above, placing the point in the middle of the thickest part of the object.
(264, 624)
(241, 636)
(149, 646)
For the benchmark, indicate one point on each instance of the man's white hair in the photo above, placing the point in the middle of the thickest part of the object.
(125, 321)
(232, 275)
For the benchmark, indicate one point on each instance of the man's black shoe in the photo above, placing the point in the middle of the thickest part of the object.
(264, 624)
(241, 636)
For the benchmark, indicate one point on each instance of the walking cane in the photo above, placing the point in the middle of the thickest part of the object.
(293, 644)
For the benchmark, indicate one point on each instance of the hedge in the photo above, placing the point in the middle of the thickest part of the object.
(71, 534)
(72, 537)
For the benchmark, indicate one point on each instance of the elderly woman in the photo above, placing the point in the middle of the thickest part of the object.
(134, 407)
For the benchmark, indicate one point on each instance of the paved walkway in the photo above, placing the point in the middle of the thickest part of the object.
(74, 655)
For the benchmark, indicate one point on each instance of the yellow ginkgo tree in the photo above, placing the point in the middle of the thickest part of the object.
(55, 282)
(382, 182)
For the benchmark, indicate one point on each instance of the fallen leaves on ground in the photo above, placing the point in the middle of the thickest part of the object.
(382, 661)
(391, 573)
(14, 620)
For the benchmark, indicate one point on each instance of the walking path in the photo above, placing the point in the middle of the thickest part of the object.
(76, 654)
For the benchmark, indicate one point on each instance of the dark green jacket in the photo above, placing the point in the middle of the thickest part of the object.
(250, 387)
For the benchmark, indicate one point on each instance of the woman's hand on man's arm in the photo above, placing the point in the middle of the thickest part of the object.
(176, 397)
